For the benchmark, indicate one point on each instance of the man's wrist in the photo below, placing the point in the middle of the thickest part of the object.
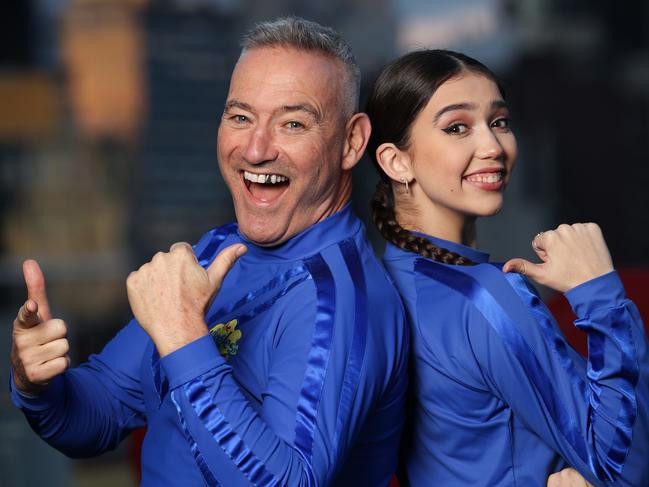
(169, 343)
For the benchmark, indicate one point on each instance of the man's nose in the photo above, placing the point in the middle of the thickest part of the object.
(260, 147)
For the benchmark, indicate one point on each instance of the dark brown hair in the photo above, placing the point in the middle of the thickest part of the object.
(399, 94)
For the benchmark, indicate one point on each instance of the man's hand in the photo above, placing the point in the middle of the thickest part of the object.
(170, 295)
(571, 255)
(39, 350)
(568, 477)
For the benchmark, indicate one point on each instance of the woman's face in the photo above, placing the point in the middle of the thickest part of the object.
(462, 151)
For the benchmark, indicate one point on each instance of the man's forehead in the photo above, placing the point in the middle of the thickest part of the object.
(283, 78)
(287, 62)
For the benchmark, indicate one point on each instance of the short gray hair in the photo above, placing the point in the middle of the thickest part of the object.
(305, 35)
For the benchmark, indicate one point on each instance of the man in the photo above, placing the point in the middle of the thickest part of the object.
(302, 378)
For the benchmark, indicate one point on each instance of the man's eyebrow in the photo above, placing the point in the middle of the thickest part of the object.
(303, 107)
(237, 104)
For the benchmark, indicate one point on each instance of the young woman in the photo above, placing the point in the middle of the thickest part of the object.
(499, 397)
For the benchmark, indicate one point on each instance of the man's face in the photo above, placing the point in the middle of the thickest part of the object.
(280, 142)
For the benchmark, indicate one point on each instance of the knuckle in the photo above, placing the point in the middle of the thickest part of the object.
(21, 341)
(59, 365)
(33, 374)
(58, 327)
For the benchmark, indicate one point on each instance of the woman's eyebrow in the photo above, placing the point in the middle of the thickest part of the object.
(454, 106)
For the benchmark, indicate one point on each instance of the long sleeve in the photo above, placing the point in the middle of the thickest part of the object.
(89, 409)
(286, 440)
(595, 417)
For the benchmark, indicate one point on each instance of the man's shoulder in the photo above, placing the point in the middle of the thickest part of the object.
(207, 246)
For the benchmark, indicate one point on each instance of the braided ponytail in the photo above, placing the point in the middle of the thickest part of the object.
(384, 218)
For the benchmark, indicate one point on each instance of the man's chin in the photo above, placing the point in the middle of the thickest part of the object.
(264, 236)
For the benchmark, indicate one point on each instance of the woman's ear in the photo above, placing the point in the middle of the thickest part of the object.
(395, 162)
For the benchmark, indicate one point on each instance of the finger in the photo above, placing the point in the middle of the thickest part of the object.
(524, 267)
(49, 351)
(28, 315)
(223, 263)
(184, 246)
(35, 282)
(180, 245)
(52, 368)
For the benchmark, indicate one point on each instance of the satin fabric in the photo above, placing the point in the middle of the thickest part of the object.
(500, 398)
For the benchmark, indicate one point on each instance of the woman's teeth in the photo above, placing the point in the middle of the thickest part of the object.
(485, 178)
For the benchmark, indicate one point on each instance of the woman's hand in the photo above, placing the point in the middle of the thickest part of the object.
(571, 255)
(568, 477)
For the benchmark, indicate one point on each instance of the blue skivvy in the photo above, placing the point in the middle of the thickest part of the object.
(499, 397)
(301, 382)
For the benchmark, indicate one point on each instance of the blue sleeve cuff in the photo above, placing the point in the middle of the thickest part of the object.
(605, 291)
(39, 402)
(191, 361)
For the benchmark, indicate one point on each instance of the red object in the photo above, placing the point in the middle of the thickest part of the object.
(636, 283)
(136, 439)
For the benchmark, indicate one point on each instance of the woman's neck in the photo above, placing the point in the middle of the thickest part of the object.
(446, 225)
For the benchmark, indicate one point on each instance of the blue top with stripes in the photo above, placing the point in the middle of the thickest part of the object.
(302, 380)
(500, 397)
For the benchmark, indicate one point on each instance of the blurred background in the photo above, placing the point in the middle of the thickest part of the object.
(108, 116)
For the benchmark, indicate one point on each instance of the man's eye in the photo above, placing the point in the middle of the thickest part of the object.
(294, 125)
(240, 118)
(456, 128)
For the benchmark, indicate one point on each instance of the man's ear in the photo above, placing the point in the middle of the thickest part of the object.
(395, 162)
(358, 134)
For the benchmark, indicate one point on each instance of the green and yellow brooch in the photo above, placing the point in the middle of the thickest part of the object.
(226, 337)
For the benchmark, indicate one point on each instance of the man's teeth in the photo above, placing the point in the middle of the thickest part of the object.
(486, 178)
(264, 178)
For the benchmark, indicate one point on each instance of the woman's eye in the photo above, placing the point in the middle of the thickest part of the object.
(456, 129)
(502, 123)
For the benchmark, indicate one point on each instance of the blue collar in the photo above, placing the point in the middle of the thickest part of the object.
(393, 253)
(329, 231)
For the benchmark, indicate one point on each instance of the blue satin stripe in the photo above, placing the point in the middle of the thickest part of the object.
(357, 349)
(550, 329)
(208, 476)
(499, 320)
(268, 304)
(160, 382)
(309, 399)
(229, 441)
(205, 252)
(623, 338)
(278, 281)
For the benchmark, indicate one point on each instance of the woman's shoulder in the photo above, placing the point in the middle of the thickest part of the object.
(482, 292)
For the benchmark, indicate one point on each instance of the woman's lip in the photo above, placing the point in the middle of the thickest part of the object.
(487, 170)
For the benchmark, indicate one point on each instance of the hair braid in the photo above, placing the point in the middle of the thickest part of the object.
(384, 217)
